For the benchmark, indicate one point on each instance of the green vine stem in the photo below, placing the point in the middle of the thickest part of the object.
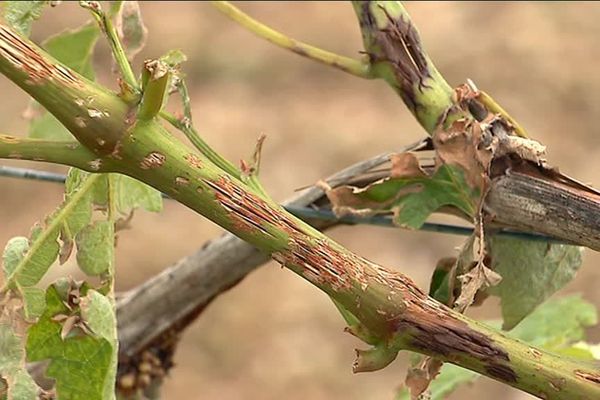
(68, 153)
(396, 54)
(346, 64)
(105, 23)
(390, 311)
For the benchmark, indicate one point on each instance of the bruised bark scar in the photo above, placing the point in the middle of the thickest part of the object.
(588, 376)
(193, 160)
(434, 330)
(23, 56)
(248, 211)
(400, 45)
(153, 160)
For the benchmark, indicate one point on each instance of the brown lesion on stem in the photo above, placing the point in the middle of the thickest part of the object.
(23, 55)
(399, 44)
(98, 118)
(433, 329)
(593, 377)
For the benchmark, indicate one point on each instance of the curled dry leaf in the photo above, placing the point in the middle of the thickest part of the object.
(420, 376)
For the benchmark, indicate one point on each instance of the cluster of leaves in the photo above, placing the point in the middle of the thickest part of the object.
(70, 323)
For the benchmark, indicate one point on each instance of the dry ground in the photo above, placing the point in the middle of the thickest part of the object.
(274, 336)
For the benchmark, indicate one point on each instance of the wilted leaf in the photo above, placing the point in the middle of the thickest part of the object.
(412, 199)
(95, 247)
(131, 28)
(83, 365)
(448, 380)
(21, 14)
(531, 272)
(471, 273)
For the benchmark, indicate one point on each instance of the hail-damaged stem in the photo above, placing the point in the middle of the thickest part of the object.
(346, 64)
(394, 312)
(396, 54)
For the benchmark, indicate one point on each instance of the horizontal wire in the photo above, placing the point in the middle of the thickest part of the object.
(312, 213)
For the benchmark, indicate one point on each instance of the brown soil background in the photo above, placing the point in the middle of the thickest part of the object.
(274, 336)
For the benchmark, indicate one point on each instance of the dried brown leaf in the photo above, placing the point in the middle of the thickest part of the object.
(462, 145)
(406, 165)
(418, 378)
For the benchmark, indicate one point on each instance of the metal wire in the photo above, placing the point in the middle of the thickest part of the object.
(311, 213)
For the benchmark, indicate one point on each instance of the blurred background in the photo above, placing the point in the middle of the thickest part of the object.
(274, 336)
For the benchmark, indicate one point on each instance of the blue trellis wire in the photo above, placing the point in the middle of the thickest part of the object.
(308, 212)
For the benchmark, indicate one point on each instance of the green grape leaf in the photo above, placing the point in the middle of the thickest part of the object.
(557, 323)
(95, 247)
(26, 262)
(531, 272)
(21, 14)
(74, 48)
(558, 326)
(83, 363)
(35, 302)
(132, 194)
(20, 385)
(409, 192)
(14, 252)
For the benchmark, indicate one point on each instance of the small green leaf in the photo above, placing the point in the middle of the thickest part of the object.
(24, 266)
(14, 252)
(99, 313)
(131, 194)
(557, 323)
(531, 272)
(95, 247)
(75, 47)
(83, 365)
(35, 303)
(173, 58)
(442, 281)
(21, 14)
